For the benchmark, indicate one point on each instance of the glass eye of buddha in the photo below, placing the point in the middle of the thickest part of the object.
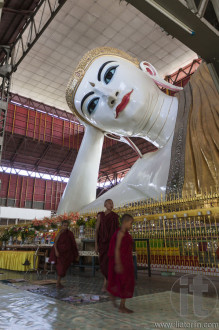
(109, 74)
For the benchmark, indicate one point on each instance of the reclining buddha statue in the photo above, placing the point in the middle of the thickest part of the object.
(111, 93)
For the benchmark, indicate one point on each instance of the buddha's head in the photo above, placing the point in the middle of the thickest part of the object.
(109, 91)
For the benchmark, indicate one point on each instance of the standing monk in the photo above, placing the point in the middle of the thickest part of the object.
(64, 251)
(107, 224)
(121, 280)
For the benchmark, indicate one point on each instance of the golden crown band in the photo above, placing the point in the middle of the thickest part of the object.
(82, 67)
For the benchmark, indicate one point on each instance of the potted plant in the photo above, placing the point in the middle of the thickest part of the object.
(14, 233)
(27, 232)
(81, 224)
(91, 222)
(4, 238)
(53, 225)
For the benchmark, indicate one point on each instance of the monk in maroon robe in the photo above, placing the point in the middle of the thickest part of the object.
(64, 252)
(107, 224)
(121, 280)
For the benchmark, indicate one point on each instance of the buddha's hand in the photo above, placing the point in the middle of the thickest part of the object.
(118, 268)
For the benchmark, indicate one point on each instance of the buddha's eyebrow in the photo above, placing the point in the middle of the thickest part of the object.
(84, 98)
(101, 69)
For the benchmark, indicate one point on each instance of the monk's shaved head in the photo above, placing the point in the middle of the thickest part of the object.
(126, 217)
(107, 200)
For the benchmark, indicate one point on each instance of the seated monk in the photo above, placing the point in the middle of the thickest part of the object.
(64, 251)
(114, 94)
(107, 224)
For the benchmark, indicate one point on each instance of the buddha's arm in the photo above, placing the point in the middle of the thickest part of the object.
(146, 179)
(81, 187)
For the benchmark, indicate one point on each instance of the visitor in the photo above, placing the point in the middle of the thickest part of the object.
(64, 251)
(107, 224)
(121, 268)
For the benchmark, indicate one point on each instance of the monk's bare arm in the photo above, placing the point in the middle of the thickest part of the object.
(57, 237)
(97, 232)
(56, 241)
(118, 264)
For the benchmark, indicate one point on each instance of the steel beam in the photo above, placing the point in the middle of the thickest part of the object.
(1, 7)
(202, 8)
(107, 177)
(39, 106)
(192, 6)
(70, 152)
(215, 4)
(11, 56)
(203, 41)
(30, 168)
(5, 81)
(42, 155)
(13, 158)
(35, 25)
(183, 72)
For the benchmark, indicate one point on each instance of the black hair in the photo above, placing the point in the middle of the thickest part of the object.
(126, 217)
(65, 221)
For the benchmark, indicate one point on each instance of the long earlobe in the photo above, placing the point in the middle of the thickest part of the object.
(126, 140)
(151, 72)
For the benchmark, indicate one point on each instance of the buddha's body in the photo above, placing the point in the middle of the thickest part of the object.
(146, 179)
(116, 97)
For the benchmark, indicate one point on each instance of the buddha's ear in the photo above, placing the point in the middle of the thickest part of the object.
(151, 72)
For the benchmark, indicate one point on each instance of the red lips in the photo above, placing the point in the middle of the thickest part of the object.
(123, 104)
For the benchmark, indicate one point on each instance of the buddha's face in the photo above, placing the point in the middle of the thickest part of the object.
(115, 96)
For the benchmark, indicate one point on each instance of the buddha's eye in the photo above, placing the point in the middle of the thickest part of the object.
(109, 74)
(92, 105)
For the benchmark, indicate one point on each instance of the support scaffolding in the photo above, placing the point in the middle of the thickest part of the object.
(33, 26)
(5, 76)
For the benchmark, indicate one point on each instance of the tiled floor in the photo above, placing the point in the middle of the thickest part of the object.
(153, 303)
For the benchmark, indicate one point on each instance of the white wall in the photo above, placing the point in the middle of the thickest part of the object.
(24, 214)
